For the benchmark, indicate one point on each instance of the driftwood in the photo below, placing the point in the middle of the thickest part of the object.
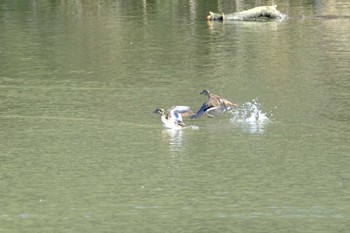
(254, 14)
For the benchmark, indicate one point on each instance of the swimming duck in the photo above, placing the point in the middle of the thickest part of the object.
(214, 106)
(172, 118)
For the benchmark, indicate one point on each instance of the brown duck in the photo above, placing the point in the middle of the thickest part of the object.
(214, 106)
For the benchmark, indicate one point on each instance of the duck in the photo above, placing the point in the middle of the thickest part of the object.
(214, 106)
(172, 118)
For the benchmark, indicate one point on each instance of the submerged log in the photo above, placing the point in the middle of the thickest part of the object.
(254, 14)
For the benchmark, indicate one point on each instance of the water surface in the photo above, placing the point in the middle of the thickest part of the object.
(81, 150)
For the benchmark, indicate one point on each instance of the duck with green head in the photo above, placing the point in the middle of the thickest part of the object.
(172, 118)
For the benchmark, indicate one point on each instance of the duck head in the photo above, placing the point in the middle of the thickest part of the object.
(205, 92)
(160, 111)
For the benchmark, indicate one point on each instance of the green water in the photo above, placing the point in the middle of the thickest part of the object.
(81, 150)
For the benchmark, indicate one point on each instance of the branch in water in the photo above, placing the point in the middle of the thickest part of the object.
(254, 14)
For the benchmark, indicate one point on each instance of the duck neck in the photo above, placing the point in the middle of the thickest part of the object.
(164, 118)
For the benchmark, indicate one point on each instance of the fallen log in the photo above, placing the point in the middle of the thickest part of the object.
(254, 14)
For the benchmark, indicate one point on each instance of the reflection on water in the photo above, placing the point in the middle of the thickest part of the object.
(174, 138)
(250, 117)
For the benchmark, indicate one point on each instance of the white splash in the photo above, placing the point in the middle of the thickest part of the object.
(194, 127)
(250, 117)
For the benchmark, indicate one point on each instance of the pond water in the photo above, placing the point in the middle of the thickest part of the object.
(81, 150)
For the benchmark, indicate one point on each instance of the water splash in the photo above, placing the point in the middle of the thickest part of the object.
(194, 127)
(250, 117)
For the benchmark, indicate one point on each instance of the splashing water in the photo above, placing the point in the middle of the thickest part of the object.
(250, 117)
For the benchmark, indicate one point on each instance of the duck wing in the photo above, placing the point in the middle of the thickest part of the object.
(200, 111)
(215, 111)
(227, 104)
(176, 113)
